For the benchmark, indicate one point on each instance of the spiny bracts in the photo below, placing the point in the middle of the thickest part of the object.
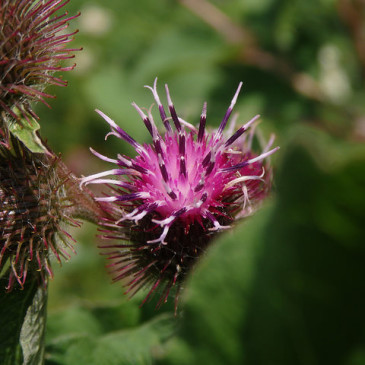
(32, 45)
(33, 213)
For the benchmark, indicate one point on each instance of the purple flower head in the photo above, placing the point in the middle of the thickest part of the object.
(32, 44)
(176, 194)
(33, 213)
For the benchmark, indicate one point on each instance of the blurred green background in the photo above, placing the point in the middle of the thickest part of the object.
(287, 285)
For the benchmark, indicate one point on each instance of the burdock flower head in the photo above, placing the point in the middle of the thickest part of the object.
(32, 44)
(176, 194)
(33, 206)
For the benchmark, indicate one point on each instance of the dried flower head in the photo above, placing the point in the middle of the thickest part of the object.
(32, 44)
(176, 194)
(32, 213)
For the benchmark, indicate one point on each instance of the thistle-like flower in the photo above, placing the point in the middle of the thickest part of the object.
(33, 207)
(172, 198)
(32, 44)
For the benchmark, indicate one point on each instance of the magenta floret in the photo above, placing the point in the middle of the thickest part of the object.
(179, 191)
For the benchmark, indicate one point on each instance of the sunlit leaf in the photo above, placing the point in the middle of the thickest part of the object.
(26, 131)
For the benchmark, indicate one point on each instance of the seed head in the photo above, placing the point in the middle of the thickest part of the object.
(176, 194)
(32, 44)
(32, 213)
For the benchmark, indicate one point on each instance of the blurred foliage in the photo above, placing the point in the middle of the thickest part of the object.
(287, 285)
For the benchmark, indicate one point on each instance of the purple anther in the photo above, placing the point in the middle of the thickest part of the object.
(240, 131)
(181, 144)
(160, 106)
(206, 159)
(203, 119)
(182, 166)
(164, 173)
(210, 168)
(229, 110)
(129, 197)
(144, 117)
(172, 195)
(174, 116)
(124, 135)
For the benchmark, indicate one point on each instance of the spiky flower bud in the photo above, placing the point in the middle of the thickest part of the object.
(177, 193)
(32, 44)
(33, 207)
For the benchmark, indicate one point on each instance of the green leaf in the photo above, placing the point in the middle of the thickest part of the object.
(286, 286)
(26, 131)
(33, 329)
(22, 324)
(216, 297)
(92, 319)
(89, 346)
